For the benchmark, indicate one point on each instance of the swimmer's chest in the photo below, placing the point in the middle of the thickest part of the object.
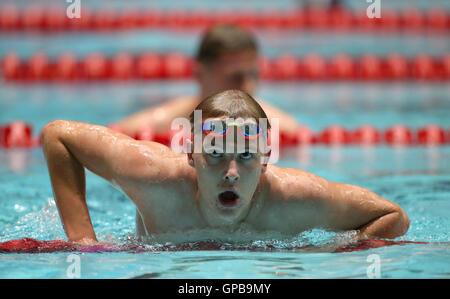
(164, 211)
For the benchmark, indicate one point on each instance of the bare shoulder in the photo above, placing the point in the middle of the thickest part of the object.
(292, 183)
(153, 161)
(265, 105)
(291, 200)
(183, 99)
(287, 122)
(189, 102)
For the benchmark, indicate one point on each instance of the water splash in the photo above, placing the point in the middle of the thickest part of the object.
(43, 224)
(214, 239)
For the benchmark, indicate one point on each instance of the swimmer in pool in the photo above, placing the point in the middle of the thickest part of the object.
(227, 59)
(207, 189)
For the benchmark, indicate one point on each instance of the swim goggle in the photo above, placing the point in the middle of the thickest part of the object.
(220, 128)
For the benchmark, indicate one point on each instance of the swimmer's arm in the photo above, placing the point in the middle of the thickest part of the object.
(69, 147)
(340, 206)
(354, 207)
(287, 123)
(132, 123)
(158, 117)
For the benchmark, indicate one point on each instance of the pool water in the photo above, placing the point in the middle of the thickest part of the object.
(416, 178)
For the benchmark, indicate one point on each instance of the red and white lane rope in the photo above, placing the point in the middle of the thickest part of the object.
(19, 134)
(40, 18)
(154, 66)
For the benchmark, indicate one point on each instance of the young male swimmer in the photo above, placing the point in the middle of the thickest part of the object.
(227, 58)
(200, 190)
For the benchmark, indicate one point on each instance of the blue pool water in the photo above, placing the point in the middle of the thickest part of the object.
(416, 178)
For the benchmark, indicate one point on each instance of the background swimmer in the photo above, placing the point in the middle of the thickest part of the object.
(228, 58)
(176, 192)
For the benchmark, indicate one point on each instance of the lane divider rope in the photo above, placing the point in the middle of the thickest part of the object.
(19, 134)
(155, 66)
(39, 18)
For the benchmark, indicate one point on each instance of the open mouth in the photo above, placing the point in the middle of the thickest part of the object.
(228, 198)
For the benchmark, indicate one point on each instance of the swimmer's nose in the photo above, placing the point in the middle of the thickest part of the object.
(232, 174)
(231, 178)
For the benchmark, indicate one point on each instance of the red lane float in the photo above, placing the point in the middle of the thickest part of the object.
(437, 18)
(55, 19)
(398, 135)
(19, 134)
(342, 67)
(365, 135)
(413, 18)
(288, 139)
(334, 135)
(149, 66)
(314, 67)
(9, 17)
(368, 244)
(397, 67)
(389, 21)
(29, 245)
(128, 18)
(16, 134)
(104, 19)
(172, 66)
(11, 67)
(177, 66)
(286, 67)
(341, 19)
(431, 135)
(321, 18)
(32, 17)
(446, 66)
(122, 66)
(370, 67)
(305, 136)
(66, 66)
(84, 23)
(39, 67)
(95, 66)
(423, 67)
(146, 133)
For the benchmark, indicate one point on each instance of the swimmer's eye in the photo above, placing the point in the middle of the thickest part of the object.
(246, 156)
(215, 154)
